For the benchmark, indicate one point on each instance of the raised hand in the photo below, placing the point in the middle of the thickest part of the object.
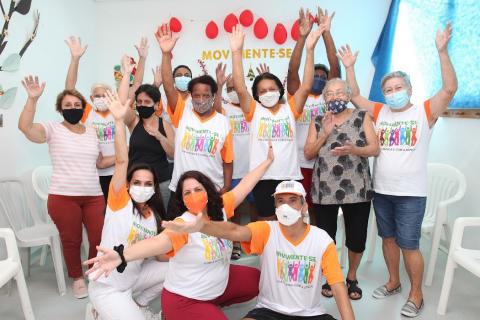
(304, 23)
(33, 87)
(220, 73)
(142, 48)
(154, 132)
(185, 226)
(324, 18)
(127, 65)
(166, 40)
(263, 68)
(157, 76)
(117, 109)
(237, 38)
(442, 38)
(313, 37)
(327, 123)
(346, 56)
(75, 46)
(103, 264)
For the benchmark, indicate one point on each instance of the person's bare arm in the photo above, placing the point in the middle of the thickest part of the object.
(34, 132)
(167, 42)
(76, 53)
(342, 301)
(331, 50)
(142, 50)
(123, 91)
(221, 80)
(316, 140)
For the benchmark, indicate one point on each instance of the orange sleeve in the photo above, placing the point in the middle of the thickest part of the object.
(376, 110)
(86, 112)
(229, 203)
(253, 105)
(227, 149)
(330, 265)
(118, 200)
(159, 111)
(178, 240)
(291, 104)
(179, 108)
(260, 234)
(426, 104)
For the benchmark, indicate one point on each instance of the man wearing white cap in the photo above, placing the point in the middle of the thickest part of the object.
(294, 258)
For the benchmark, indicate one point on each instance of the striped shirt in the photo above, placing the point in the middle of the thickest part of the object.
(74, 160)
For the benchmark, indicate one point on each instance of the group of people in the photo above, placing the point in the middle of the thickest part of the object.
(156, 207)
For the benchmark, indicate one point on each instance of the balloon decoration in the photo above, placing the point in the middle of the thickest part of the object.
(246, 18)
(230, 21)
(260, 29)
(175, 25)
(295, 32)
(211, 31)
(280, 34)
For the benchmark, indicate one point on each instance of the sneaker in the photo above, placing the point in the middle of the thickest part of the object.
(383, 292)
(410, 310)
(79, 289)
(148, 314)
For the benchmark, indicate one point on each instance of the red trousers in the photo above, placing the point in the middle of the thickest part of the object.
(242, 286)
(69, 213)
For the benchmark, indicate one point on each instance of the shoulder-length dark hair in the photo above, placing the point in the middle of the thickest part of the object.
(267, 76)
(155, 203)
(215, 201)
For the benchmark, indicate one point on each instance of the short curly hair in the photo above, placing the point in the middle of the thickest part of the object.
(69, 92)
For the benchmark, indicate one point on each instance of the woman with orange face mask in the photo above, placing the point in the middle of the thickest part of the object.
(200, 278)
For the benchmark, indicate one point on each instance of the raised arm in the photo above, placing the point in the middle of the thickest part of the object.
(237, 38)
(325, 19)
(304, 28)
(142, 50)
(34, 132)
(76, 52)
(316, 140)
(221, 80)
(302, 93)
(348, 59)
(119, 111)
(123, 91)
(167, 42)
(440, 101)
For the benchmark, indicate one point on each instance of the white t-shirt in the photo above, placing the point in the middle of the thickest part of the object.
(314, 106)
(201, 145)
(292, 273)
(401, 167)
(279, 128)
(241, 136)
(124, 225)
(199, 264)
(74, 161)
(105, 128)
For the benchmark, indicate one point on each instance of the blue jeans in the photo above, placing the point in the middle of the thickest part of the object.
(400, 217)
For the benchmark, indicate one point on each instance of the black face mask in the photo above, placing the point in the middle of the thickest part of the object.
(145, 112)
(72, 116)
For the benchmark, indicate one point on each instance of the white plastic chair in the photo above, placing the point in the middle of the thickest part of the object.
(11, 268)
(41, 176)
(458, 256)
(16, 206)
(446, 185)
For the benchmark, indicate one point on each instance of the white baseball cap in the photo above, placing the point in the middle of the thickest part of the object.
(290, 186)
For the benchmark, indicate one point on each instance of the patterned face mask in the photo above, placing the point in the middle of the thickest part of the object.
(337, 106)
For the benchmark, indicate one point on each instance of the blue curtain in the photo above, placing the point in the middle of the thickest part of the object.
(407, 42)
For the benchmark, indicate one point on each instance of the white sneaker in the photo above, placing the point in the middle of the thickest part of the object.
(79, 288)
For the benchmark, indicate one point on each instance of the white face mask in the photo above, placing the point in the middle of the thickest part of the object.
(286, 215)
(233, 97)
(141, 194)
(269, 99)
(100, 104)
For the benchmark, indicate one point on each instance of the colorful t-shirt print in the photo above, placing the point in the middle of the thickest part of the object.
(203, 142)
(393, 135)
(295, 270)
(215, 248)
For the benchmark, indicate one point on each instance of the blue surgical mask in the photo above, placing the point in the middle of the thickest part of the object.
(318, 85)
(181, 83)
(397, 100)
(337, 106)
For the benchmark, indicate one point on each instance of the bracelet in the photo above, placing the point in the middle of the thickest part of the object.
(123, 265)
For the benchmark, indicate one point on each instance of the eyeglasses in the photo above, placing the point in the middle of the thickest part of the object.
(336, 94)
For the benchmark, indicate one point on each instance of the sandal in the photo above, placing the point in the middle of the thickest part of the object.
(327, 291)
(236, 253)
(353, 288)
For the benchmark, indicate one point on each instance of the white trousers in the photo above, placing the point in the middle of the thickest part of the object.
(114, 304)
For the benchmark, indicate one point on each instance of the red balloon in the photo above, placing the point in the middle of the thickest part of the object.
(211, 31)
(280, 34)
(260, 29)
(175, 25)
(230, 21)
(295, 32)
(246, 18)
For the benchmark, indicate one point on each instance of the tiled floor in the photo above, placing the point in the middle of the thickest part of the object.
(464, 301)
